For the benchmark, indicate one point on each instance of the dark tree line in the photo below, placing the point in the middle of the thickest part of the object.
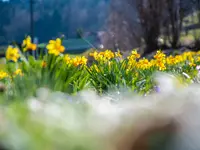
(51, 18)
(127, 23)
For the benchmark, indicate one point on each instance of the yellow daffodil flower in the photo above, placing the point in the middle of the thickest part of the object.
(118, 54)
(18, 72)
(55, 47)
(43, 64)
(12, 53)
(3, 75)
(67, 59)
(28, 45)
(79, 60)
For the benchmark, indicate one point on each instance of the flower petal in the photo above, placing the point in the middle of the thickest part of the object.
(50, 46)
(58, 41)
(52, 42)
(61, 49)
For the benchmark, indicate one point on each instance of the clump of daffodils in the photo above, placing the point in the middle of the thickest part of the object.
(132, 59)
(109, 69)
(104, 55)
(160, 60)
(76, 61)
(144, 64)
(79, 60)
(6, 75)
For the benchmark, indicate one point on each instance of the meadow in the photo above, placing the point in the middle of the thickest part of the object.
(27, 69)
(54, 101)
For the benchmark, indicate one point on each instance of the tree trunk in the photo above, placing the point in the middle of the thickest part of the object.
(151, 45)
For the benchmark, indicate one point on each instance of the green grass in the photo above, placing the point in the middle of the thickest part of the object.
(191, 19)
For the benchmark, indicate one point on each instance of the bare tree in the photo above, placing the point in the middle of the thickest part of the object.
(195, 20)
(175, 21)
(150, 13)
(122, 31)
